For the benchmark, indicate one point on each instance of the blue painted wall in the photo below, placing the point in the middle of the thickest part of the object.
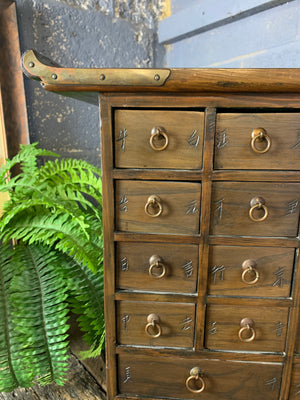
(232, 34)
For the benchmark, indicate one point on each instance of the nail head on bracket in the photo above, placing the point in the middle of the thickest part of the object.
(54, 76)
(102, 77)
(156, 77)
(31, 64)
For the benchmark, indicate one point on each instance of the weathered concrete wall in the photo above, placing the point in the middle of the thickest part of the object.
(233, 34)
(83, 33)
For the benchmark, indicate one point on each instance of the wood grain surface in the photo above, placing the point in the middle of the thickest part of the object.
(223, 325)
(231, 206)
(133, 266)
(176, 320)
(183, 130)
(274, 267)
(180, 203)
(233, 141)
(166, 377)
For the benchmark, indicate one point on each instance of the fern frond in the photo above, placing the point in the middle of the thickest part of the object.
(39, 313)
(87, 300)
(8, 379)
(27, 158)
(40, 206)
(77, 175)
(54, 231)
(60, 167)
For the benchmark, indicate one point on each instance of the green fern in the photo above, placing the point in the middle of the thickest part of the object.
(38, 296)
(8, 378)
(27, 158)
(86, 300)
(55, 212)
(33, 320)
(51, 204)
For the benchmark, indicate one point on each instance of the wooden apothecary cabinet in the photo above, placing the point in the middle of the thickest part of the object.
(201, 191)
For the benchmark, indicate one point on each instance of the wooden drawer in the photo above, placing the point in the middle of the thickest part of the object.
(233, 202)
(226, 330)
(157, 267)
(174, 209)
(155, 324)
(250, 271)
(235, 148)
(167, 377)
(141, 135)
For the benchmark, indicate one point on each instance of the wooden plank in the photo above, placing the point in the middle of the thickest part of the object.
(252, 241)
(292, 331)
(180, 80)
(79, 385)
(204, 100)
(144, 237)
(202, 354)
(210, 121)
(239, 300)
(142, 296)
(159, 174)
(14, 103)
(108, 246)
(256, 176)
(216, 175)
(3, 151)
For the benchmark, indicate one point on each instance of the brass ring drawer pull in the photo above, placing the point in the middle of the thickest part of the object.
(258, 203)
(259, 135)
(250, 275)
(196, 380)
(247, 332)
(153, 207)
(156, 263)
(153, 328)
(159, 133)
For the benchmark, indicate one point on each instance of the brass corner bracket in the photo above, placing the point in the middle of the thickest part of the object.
(38, 67)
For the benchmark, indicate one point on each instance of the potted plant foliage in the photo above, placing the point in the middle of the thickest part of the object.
(54, 265)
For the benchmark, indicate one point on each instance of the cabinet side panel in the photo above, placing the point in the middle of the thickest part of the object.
(108, 244)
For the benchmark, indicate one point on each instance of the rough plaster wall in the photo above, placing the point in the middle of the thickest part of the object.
(83, 33)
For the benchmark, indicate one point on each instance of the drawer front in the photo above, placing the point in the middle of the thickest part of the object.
(157, 207)
(250, 271)
(255, 209)
(158, 139)
(171, 377)
(295, 383)
(155, 324)
(242, 144)
(246, 328)
(157, 267)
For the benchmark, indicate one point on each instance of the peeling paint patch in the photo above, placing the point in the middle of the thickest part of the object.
(105, 6)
